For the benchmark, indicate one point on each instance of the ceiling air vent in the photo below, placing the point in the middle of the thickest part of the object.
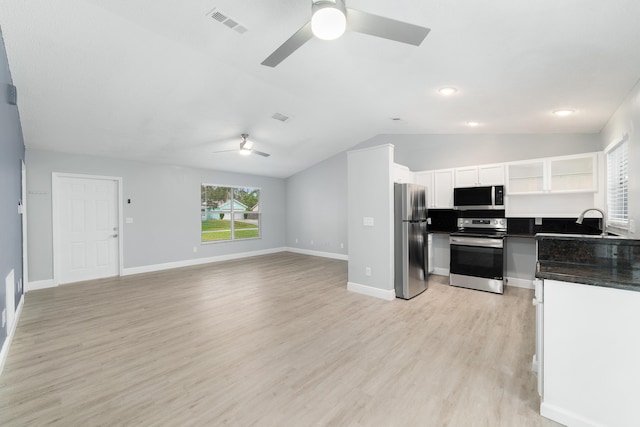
(225, 20)
(230, 23)
(280, 117)
(219, 17)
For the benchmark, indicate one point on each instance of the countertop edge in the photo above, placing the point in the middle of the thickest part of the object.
(587, 281)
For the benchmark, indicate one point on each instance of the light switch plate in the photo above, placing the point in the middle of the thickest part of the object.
(367, 221)
(129, 220)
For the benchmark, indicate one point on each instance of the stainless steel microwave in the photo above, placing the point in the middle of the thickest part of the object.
(486, 197)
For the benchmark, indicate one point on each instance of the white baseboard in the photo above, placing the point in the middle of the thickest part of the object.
(565, 417)
(534, 364)
(40, 284)
(440, 271)
(332, 255)
(197, 261)
(7, 342)
(385, 294)
(520, 283)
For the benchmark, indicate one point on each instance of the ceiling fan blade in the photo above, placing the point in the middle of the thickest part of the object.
(378, 26)
(260, 153)
(287, 48)
(223, 151)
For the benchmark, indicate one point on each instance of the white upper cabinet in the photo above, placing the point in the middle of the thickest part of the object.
(439, 185)
(575, 173)
(566, 174)
(402, 174)
(474, 176)
(425, 178)
(526, 177)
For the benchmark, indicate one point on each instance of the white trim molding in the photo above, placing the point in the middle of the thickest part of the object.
(438, 271)
(385, 294)
(343, 257)
(7, 342)
(520, 283)
(197, 261)
(40, 284)
(565, 417)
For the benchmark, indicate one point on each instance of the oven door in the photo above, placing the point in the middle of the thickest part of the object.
(477, 257)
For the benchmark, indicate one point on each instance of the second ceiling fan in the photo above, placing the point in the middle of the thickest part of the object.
(330, 18)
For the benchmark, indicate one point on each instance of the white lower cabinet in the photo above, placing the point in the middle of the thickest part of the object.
(591, 355)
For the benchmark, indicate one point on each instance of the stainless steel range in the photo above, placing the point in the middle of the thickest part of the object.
(477, 254)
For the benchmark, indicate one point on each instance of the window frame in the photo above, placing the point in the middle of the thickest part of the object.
(232, 213)
(616, 224)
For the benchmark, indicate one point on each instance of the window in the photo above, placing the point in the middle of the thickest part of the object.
(229, 213)
(617, 184)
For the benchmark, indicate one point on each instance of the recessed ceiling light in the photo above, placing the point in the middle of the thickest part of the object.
(473, 124)
(564, 112)
(447, 91)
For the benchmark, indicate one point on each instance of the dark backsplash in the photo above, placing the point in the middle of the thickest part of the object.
(527, 226)
(445, 220)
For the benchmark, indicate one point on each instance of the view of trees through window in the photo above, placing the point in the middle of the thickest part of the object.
(229, 213)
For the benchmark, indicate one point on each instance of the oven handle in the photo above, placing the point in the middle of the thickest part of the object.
(477, 241)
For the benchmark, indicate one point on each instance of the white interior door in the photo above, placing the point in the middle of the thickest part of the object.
(87, 226)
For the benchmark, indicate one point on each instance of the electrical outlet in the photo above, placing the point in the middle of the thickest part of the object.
(312, 242)
(341, 245)
(296, 240)
(195, 249)
(367, 271)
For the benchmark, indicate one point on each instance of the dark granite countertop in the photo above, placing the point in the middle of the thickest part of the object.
(609, 261)
(594, 275)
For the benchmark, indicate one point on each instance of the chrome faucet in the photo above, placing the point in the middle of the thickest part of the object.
(604, 219)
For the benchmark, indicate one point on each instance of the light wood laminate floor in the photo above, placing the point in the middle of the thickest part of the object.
(274, 340)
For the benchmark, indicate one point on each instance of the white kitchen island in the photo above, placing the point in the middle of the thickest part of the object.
(591, 331)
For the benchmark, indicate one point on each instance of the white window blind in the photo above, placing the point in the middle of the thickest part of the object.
(617, 185)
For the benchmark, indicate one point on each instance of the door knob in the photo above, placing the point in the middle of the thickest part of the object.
(115, 235)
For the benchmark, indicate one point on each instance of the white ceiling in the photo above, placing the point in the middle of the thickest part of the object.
(157, 80)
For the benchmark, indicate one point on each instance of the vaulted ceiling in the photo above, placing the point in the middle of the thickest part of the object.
(162, 81)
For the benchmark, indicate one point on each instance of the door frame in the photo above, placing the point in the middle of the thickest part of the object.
(23, 208)
(55, 189)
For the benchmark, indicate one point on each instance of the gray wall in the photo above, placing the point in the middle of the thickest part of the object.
(11, 154)
(626, 120)
(317, 207)
(425, 152)
(165, 207)
(370, 194)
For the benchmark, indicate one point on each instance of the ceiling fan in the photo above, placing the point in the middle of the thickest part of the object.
(330, 18)
(246, 147)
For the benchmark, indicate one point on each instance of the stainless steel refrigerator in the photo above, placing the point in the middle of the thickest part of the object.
(410, 240)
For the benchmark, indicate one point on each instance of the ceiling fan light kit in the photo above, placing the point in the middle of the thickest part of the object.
(329, 19)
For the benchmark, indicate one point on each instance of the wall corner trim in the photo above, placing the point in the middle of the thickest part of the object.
(332, 255)
(7, 342)
(388, 295)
